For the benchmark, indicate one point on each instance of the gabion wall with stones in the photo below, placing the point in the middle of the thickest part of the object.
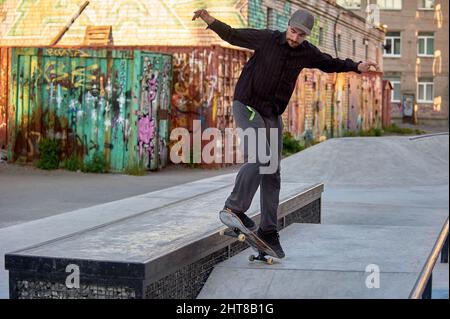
(30, 289)
(188, 281)
(185, 283)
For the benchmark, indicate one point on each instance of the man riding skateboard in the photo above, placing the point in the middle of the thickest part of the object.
(261, 96)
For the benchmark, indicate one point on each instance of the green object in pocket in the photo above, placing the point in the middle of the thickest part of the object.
(252, 113)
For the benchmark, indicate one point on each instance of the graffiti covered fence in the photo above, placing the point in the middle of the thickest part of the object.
(330, 105)
(5, 58)
(112, 102)
(204, 79)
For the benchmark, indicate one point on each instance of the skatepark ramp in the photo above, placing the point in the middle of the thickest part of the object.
(337, 261)
(384, 223)
(382, 213)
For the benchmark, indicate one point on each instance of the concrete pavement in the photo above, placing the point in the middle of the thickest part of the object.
(330, 261)
(28, 193)
(369, 182)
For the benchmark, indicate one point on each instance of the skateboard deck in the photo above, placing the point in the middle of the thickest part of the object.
(243, 234)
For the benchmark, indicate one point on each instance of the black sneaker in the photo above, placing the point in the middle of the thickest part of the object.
(245, 220)
(272, 239)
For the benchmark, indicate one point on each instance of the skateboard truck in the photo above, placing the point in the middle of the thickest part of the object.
(237, 230)
(261, 257)
(233, 233)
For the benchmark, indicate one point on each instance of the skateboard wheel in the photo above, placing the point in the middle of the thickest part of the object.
(270, 261)
(251, 258)
(222, 233)
(241, 237)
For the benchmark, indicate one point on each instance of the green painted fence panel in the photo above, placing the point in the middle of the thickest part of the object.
(110, 102)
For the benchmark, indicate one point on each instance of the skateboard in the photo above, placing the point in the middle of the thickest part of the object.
(243, 234)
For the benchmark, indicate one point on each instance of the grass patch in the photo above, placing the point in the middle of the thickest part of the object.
(394, 129)
(391, 129)
(48, 154)
(73, 163)
(135, 169)
(291, 145)
(98, 164)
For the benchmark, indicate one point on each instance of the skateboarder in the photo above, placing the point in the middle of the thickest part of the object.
(261, 95)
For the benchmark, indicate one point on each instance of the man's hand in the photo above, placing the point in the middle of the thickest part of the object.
(364, 67)
(204, 15)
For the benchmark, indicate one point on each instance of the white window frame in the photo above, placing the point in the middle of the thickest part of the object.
(356, 4)
(421, 7)
(393, 38)
(393, 82)
(384, 7)
(424, 85)
(425, 38)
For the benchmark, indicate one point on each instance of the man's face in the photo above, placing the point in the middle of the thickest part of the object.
(294, 36)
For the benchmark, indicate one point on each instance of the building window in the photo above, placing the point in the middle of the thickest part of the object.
(390, 4)
(354, 47)
(270, 18)
(392, 44)
(339, 43)
(320, 36)
(426, 4)
(396, 93)
(425, 91)
(350, 4)
(425, 44)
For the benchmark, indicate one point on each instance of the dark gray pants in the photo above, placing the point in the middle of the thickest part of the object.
(249, 177)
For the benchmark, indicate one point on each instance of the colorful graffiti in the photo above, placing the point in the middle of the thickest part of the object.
(152, 22)
(329, 105)
(396, 110)
(194, 85)
(164, 111)
(86, 103)
(146, 129)
(146, 119)
(319, 22)
(34, 22)
(154, 109)
(4, 90)
(203, 86)
(93, 103)
(257, 15)
(282, 18)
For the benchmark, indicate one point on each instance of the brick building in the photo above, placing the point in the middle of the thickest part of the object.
(416, 56)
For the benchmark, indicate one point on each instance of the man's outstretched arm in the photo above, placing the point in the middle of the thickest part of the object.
(247, 38)
(327, 63)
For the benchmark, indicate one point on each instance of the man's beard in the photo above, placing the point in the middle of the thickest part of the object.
(293, 43)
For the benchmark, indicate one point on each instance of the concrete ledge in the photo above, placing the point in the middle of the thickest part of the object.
(165, 252)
